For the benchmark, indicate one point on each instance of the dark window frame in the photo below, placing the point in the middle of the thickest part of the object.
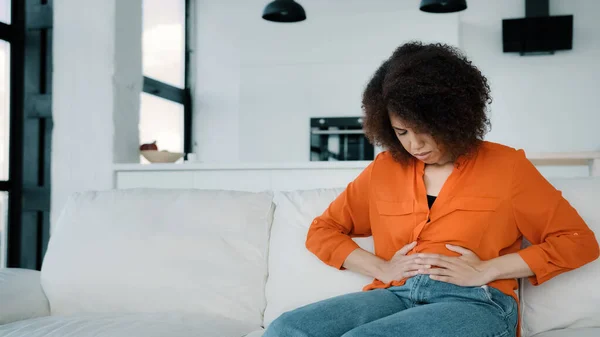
(30, 38)
(178, 95)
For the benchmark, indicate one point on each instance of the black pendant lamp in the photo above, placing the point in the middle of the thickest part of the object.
(284, 11)
(443, 6)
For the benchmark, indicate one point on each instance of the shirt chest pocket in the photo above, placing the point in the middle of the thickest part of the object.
(466, 222)
(396, 219)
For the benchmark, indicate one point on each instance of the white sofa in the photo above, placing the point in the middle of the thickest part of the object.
(177, 263)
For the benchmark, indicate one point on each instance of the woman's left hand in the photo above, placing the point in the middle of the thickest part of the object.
(466, 270)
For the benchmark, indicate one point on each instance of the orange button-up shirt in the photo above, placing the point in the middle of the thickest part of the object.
(488, 204)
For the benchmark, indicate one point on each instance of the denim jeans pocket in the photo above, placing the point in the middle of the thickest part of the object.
(505, 304)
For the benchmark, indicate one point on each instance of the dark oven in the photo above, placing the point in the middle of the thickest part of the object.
(339, 139)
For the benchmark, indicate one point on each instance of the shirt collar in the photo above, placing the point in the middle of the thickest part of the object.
(459, 163)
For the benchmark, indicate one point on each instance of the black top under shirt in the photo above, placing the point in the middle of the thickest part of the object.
(430, 200)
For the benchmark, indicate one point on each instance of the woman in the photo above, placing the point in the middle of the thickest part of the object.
(447, 212)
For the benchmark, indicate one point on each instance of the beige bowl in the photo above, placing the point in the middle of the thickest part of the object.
(161, 156)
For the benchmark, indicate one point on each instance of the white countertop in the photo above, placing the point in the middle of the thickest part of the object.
(242, 166)
(559, 158)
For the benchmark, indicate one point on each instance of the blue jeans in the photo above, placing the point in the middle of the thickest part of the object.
(420, 308)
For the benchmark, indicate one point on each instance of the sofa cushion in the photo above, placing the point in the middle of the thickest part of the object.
(296, 276)
(127, 325)
(21, 296)
(567, 301)
(146, 251)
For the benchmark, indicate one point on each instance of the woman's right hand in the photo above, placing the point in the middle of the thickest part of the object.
(400, 266)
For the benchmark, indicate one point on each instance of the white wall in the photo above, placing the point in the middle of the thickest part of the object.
(541, 103)
(97, 81)
(258, 83)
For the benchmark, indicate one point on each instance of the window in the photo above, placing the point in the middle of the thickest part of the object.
(25, 131)
(3, 227)
(5, 36)
(4, 108)
(5, 11)
(161, 121)
(165, 106)
(163, 41)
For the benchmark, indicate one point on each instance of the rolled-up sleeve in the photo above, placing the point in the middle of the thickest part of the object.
(561, 240)
(330, 234)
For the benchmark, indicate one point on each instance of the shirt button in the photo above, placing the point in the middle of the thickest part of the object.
(575, 234)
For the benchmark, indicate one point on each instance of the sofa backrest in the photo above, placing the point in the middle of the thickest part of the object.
(297, 277)
(569, 300)
(185, 251)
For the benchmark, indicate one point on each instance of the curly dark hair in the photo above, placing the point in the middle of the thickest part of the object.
(433, 88)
